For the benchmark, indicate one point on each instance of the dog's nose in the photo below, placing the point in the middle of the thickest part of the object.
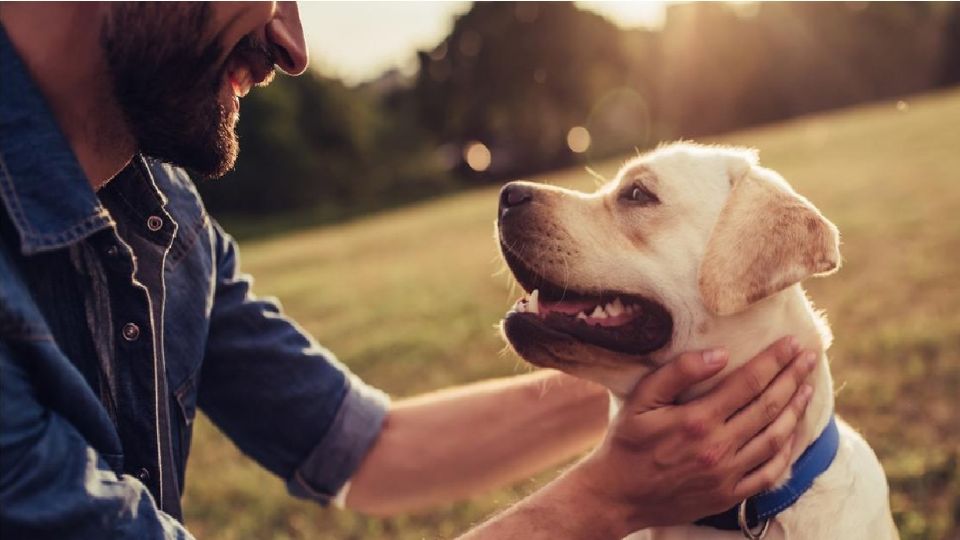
(514, 194)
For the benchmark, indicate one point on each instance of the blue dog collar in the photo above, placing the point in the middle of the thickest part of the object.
(812, 463)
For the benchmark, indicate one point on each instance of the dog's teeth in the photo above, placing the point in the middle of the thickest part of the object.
(521, 306)
(582, 316)
(533, 305)
(598, 313)
(615, 308)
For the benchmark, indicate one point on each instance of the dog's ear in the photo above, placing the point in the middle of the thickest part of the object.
(766, 239)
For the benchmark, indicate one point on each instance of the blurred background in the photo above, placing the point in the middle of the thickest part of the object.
(365, 194)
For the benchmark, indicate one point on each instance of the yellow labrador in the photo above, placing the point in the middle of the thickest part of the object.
(690, 247)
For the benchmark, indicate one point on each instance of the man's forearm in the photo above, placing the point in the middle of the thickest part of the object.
(455, 443)
(563, 509)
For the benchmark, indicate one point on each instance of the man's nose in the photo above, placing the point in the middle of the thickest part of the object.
(285, 34)
(513, 195)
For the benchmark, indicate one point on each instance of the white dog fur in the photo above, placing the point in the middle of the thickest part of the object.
(724, 251)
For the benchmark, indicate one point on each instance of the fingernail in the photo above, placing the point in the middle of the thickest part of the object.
(714, 357)
(808, 359)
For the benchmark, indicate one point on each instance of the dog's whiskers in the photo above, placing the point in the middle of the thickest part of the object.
(598, 178)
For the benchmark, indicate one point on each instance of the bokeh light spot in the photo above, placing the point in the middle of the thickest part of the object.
(902, 106)
(477, 156)
(578, 139)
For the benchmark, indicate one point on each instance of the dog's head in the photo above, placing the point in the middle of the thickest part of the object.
(616, 280)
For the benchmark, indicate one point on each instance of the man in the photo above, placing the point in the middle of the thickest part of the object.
(122, 309)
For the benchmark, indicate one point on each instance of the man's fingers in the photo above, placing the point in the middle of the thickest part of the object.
(772, 402)
(749, 380)
(765, 446)
(766, 476)
(662, 387)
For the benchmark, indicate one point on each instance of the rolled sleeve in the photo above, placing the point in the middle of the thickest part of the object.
(338, 455)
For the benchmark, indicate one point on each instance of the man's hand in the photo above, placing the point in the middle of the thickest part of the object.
(664, 464)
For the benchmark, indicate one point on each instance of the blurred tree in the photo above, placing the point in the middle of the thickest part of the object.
(950, 71)
(518, 76)
(311, 143)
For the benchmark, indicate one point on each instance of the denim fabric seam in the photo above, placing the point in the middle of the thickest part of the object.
(186, 386)
(135, 208)
(185, 241)
(184, 237)
(45, 241)
(363, 409)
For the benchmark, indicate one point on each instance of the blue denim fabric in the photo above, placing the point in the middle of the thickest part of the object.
(121, 313)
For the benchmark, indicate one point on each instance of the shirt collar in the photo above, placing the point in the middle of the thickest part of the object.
(42, 186)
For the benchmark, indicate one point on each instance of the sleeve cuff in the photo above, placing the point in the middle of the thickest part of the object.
(331, 464)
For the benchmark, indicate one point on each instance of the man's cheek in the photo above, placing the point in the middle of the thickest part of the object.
(231, 21)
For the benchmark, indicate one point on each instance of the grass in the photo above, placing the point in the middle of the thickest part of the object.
(409, 299)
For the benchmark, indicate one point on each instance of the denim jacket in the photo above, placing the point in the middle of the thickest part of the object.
(121, 312)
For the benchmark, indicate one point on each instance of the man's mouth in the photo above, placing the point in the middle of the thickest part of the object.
(618, 321)
(241, 80)
(242, 77)
(248, 66)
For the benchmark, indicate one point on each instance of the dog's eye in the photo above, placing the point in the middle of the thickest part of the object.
(637, 194)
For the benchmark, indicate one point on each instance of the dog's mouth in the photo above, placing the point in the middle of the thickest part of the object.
(621, 322)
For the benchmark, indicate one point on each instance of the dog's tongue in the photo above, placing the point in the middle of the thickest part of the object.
(567, 308)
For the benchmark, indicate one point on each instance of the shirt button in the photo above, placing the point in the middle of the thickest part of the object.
(154, 223)
(143, 475)
(131, 332)
(113, 250)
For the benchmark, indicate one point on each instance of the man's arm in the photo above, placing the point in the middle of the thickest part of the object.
(659, 464)
(455, 443)
(664, 464)
(52, 483)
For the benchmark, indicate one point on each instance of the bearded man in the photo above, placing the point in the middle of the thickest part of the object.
(123, 310)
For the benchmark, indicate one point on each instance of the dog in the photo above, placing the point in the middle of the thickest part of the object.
(689, 247)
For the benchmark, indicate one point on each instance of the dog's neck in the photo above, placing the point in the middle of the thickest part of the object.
(788, 312)
(743, 335)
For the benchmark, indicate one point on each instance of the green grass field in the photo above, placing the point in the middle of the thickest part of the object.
(409, 299)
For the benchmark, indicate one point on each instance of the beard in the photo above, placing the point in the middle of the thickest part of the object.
(168, 85)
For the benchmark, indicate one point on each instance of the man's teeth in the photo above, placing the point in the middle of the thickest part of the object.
(240, 81)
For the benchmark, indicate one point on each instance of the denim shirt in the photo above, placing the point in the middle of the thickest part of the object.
(121, 312)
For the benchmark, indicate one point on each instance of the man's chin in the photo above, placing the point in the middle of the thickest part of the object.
(220, 165)
(208, 155)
